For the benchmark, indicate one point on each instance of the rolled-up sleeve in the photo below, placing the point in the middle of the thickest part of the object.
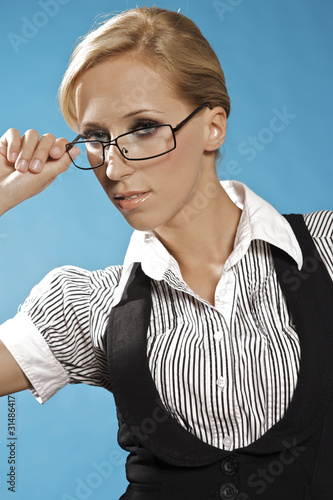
(34, 357)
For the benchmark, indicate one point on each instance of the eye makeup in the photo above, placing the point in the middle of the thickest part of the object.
(143, 123)
(94, 132)
(98, 135)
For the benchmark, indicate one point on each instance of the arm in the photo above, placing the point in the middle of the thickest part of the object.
(12, 378)
(29, 164)
(18, 182)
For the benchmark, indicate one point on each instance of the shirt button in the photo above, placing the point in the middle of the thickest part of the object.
(148, 237)
(228, 491)
(229, 466)
(220, 382)
(227, 441)
(218, 335)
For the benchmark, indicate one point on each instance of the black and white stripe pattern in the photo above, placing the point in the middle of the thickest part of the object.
(231, 387)
(226, 378)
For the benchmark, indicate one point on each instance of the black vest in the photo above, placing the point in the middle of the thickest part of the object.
(293, 460)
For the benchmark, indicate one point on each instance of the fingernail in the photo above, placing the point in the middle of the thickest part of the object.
(22, 166)
(55, 151)
(13, 157)
(36, 165)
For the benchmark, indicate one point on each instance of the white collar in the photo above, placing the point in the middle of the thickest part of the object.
(259, 220)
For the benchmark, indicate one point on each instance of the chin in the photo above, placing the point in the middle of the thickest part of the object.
(148, 221)
(140, 223)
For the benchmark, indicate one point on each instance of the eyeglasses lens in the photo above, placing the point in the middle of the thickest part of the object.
(136, 145)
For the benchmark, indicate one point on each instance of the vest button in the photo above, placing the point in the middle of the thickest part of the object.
(229, 466)
(228, 491)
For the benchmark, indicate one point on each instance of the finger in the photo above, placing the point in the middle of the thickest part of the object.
(55, 167)
(67, 160)
(41, 153)
(10, 144)
(29, 142)
(21, 186)
(59, 148)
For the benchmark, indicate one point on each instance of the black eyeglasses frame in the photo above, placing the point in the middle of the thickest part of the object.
(114, 142)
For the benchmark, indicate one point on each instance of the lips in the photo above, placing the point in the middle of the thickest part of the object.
(129, 196)
(131, 199)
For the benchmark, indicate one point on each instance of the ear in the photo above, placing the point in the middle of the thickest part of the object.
(216, 127)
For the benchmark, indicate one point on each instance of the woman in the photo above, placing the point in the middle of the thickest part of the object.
(200, 335)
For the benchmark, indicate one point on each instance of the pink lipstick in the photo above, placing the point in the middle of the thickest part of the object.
(131, 199)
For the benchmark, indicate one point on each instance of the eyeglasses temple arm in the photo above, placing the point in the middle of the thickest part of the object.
(177, 127)
(70, 145)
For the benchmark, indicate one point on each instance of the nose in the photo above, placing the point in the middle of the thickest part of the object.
(117, 166)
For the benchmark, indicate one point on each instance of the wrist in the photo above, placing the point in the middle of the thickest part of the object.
(2, 210)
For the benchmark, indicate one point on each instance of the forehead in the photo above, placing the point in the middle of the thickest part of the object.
(121, 84)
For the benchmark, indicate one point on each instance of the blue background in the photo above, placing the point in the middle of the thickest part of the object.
(276, 55)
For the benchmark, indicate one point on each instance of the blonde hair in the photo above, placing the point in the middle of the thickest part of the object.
(165, 40)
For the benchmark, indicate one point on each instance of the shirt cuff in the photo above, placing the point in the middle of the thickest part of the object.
(33, 355)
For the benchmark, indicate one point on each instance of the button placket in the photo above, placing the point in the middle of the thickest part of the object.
(227, 441)
(225, 295)
(229, 466)
(228, 491)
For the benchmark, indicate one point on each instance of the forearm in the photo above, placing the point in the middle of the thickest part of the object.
(12, 378)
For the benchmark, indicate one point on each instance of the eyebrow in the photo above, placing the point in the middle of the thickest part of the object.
(133, 113)
(92, 125)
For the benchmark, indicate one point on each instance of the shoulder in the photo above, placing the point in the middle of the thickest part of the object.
(320, 224)
(73, 283)
(68, 274)
(106, 278)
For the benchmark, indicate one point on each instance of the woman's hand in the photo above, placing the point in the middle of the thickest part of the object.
(29, 164)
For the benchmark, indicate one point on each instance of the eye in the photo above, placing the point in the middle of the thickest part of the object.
(143, 128)
(146, 132)
(95, 135)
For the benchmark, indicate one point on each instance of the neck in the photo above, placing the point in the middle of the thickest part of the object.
(203, 233)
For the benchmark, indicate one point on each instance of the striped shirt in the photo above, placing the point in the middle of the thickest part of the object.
(226, 372)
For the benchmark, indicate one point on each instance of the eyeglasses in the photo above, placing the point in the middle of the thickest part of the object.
(141, 144)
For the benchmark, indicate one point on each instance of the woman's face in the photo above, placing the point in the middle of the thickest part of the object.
(124, 94)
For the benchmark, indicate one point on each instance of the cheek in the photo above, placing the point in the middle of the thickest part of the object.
(181, 169)
(173, 179)
(105, 183)
(101, 177)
